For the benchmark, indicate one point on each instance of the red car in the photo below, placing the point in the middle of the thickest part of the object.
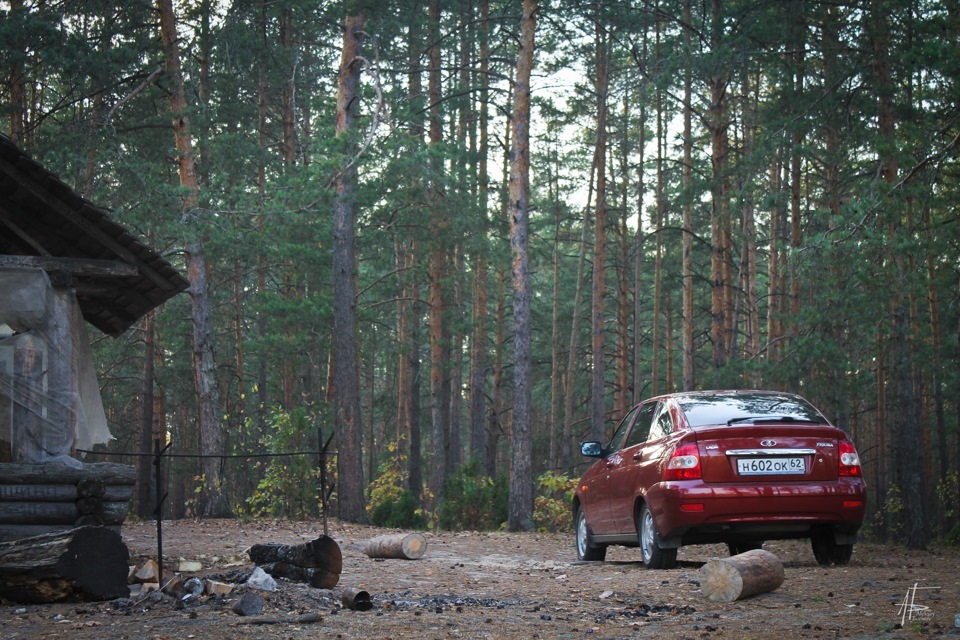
(735, 467)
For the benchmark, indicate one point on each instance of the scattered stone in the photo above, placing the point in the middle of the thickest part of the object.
(249, 605)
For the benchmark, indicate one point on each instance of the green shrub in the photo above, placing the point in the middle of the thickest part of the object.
(390, 504)
(473, 501)
(551, 506)
(403, 513)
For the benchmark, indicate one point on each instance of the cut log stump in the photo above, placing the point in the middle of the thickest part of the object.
(83, 564)
(741, 576)
(402, 546)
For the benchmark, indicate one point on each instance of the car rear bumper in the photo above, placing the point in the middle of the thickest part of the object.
(696, 512)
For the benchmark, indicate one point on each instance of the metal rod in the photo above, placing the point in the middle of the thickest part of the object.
(158, 510)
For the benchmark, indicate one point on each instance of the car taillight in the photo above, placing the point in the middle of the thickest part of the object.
(684, 464)
(849, 460)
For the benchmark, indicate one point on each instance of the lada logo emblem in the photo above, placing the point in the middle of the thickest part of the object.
(768, 443)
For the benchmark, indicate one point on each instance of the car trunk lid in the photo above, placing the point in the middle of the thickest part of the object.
(768, 451)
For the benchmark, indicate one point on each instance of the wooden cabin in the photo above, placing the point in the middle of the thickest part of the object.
(63, 264)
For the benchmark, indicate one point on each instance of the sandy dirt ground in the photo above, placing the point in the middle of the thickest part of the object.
(509, 586)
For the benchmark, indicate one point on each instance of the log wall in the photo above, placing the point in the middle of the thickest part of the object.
(43, 498)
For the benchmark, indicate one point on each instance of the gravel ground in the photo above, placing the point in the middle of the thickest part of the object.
(507, 585)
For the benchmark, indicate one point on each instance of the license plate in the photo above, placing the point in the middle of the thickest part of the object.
(770, 466)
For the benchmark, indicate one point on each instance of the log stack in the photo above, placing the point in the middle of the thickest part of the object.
(45, 498)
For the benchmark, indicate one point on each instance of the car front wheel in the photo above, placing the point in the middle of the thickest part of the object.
(586, 550)
(649, 538)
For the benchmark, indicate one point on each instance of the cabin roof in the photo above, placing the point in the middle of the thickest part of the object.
(44, 223)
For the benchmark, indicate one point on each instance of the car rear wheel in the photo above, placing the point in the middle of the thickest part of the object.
(586, 549)
(653, 556)
(827, 551)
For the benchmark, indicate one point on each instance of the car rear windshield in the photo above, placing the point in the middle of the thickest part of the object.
(711, 409)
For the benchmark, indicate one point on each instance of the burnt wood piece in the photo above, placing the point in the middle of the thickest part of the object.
(321, 553)
(741, 576)
(89, 563)
(316, 578)
(403, 546)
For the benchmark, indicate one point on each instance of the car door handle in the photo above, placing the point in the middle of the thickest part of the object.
(638, 456)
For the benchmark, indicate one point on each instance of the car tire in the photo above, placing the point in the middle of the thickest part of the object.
(827, 551)
(736, 548)
(649, 538)
(586, 549)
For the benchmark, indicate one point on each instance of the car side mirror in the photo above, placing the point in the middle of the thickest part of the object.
(591, 449)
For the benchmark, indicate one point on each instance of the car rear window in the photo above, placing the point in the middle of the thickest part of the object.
(714, 409)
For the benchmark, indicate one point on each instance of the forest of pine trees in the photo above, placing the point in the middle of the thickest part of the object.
(460, 236)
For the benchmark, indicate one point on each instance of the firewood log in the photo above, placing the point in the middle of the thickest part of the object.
(741, 576)
(403, 546)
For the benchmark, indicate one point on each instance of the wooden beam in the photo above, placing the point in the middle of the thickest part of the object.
(74, 266)
(5, 219)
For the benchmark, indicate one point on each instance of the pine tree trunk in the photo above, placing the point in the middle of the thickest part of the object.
(439, 408)
(750, 98)
(478, 350)
(520, 512)
(455, 386)
(622, 395)
(689, 375)
(655, 385)
(347, 394)
(210, 431)
(416, 448)
(18, 85)
(573, 356)
(555, 424)
(597, 386)
(639, 388)
(408, 388)
(906, 413)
